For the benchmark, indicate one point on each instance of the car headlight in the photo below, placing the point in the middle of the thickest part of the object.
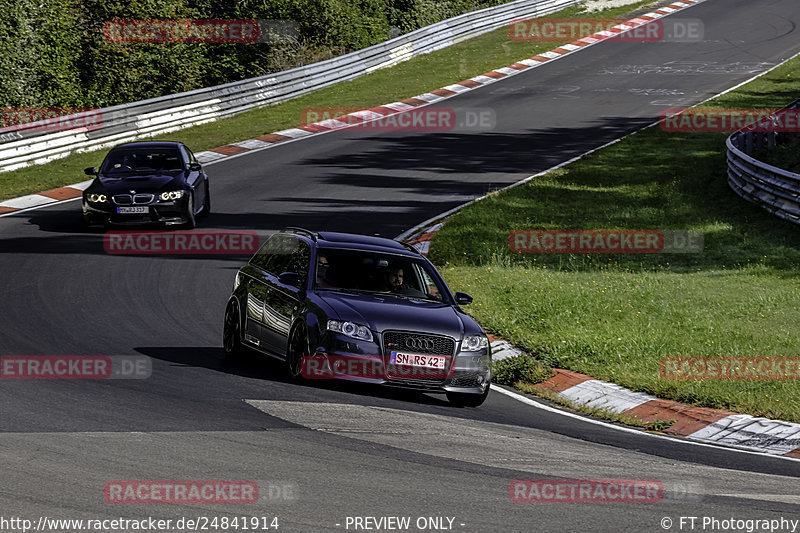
(98, 198)
(170, 195)
(473, 343)
(350, 329)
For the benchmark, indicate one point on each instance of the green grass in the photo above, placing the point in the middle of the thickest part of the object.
(413, 77)
(785, 156)
(616, 316)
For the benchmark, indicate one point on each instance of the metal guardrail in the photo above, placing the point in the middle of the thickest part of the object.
(772, 188)
(165, 114)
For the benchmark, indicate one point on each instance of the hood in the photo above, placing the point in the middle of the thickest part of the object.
(150, 183)
(382, 313)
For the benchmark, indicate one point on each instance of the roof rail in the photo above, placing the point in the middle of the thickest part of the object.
(302, 230)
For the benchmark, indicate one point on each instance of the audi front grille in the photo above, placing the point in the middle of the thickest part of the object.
(418, 343)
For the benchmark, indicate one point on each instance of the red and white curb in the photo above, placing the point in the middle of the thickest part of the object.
(702, 424)
(214, 155)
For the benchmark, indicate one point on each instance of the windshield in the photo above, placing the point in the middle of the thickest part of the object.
(141, 161)
(371, 272)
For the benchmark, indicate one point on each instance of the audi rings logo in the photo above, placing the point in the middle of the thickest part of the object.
(418, 343)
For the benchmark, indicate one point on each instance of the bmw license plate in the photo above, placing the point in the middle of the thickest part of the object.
(132, 210)
(423, 361)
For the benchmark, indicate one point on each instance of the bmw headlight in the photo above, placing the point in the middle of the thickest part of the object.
(350, 329)
(170, 195)
(473, 343)
(98, 198)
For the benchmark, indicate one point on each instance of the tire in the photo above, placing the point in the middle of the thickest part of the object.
(295, 350)
(463, 399)
(206, 203)
(191, 221)
(232, 333)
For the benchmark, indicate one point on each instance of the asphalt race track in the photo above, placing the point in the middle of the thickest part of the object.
(341, 450)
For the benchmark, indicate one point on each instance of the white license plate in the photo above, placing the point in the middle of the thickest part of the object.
(423, 361)
(129, 210)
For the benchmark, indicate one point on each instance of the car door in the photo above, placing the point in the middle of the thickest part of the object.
(257, 288)
(283, 300)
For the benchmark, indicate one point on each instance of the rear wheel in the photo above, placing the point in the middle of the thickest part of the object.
(463, 399)
(231, 333)
(296, 350)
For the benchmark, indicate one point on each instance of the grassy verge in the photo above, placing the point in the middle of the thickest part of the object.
(419, 75)
(785, 156)
(616, 316)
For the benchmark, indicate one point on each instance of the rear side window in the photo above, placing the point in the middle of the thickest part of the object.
(283, 253)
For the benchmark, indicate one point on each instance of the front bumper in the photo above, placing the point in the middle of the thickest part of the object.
(175, 212)
(355, 360)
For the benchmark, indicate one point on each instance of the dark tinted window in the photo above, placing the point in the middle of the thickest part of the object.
(376, 272)
(283, 253)
(127, 160)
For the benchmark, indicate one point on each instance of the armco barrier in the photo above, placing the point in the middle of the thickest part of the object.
(774, 189)
(24, 145)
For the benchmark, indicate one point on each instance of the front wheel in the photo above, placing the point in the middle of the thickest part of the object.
(206, 203)
(191, 221)
(296, 350)
(231, 333)
(463, 399)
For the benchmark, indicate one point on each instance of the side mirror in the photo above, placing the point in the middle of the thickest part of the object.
(462, 298)
(290, 278)
(194, 167)
(91, 171)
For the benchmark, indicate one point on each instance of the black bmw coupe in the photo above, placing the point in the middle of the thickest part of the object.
(147, 182)
(369, 309)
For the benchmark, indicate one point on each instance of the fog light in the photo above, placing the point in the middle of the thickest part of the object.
(480, 380)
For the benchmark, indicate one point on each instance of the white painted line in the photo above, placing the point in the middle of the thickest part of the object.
(366, 115)
(571, 47)
(590, 40)
(599, 394)
(530, 62)
(295, 133)
(623, 429)
(26, 202)
(507, 71)
(746, 431)
(429, 97)
(251, 144)
(456, 88)
(82, 186)
(331, 123)
(398, 106)
(208, 156)
(483, 79)
(551, 54)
